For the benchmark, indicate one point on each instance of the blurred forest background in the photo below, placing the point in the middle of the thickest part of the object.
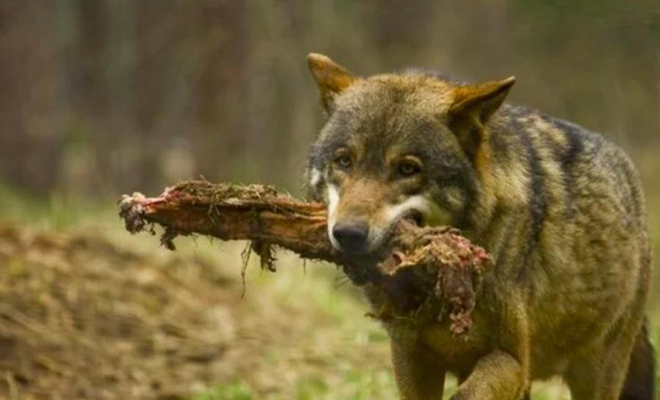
(103, 97)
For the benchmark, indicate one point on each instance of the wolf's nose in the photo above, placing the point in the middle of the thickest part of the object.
(351, 237)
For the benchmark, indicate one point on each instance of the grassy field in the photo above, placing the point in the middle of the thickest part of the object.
(299, 333)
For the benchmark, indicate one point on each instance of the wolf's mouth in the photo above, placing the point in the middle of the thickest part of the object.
(362, 269)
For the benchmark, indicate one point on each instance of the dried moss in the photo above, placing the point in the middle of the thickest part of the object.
(217, 193)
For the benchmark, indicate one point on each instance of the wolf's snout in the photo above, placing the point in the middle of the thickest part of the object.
(351, 237)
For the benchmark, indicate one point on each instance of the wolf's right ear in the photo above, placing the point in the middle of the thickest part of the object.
(331, 78)
(472, 107)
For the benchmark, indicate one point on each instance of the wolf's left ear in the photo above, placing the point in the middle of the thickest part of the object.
(331, 78)
(471, 108)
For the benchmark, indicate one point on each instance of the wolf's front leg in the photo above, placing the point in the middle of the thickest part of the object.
(497, 376)
(419, 376)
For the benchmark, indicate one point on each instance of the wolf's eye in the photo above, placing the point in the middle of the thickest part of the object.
(344, 161)
(409, 168)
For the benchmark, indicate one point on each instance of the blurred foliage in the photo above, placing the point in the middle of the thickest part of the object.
(108, 96)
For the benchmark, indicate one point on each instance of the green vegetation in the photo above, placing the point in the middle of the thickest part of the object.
(48, 212)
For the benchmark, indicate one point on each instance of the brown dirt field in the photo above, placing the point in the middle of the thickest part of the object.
(82, 319)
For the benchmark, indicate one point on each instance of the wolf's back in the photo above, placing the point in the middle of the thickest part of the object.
(575, 233)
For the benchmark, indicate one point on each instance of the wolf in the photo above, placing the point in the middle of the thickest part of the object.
(560, 209)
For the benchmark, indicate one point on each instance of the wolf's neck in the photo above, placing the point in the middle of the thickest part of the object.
(502, 190)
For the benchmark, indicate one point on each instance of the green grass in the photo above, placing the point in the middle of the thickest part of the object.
(350, 385)
(52, 212)
(231, 391)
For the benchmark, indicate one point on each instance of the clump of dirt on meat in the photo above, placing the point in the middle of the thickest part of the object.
(432, 274)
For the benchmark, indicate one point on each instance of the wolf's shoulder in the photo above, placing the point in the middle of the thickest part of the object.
(567, 154)
(565, 139)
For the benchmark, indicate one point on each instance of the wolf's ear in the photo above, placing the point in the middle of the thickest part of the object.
(330, 77)
(471, 108)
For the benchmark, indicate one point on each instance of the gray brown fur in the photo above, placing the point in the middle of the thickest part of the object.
(560, 209)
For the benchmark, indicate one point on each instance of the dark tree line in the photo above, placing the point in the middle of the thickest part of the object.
(107, 96)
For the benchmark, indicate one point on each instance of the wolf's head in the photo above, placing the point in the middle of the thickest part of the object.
(396, 146)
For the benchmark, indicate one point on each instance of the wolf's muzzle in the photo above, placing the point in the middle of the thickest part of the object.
(351, 237)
